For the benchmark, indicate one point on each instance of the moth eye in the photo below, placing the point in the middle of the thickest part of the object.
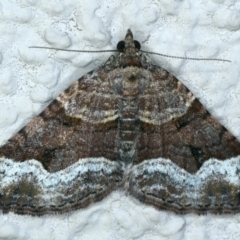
(120, 46)
(137, 44)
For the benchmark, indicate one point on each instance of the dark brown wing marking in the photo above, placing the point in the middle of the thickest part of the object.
(78, 124)
(192, 139)
(178, 127)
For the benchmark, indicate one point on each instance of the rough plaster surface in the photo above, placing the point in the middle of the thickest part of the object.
(32, 77)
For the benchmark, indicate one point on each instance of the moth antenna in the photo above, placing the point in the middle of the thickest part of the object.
(203, 59)
(160, 54)
(72, 50)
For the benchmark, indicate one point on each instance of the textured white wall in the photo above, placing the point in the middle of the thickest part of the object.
(32, 77)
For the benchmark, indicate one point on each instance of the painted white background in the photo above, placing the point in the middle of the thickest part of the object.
(30, 78)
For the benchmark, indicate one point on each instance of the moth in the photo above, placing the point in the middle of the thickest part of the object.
(127, 125)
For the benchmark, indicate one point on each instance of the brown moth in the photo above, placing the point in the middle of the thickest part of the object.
(126, 125)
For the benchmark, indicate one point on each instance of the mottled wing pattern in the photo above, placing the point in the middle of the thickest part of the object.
(80, 123)
(215, 188)
(175, 125)
(27, 188)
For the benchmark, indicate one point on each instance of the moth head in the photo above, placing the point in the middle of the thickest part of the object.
(128, 43)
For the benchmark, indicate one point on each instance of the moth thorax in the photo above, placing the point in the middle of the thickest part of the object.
(130, 87)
